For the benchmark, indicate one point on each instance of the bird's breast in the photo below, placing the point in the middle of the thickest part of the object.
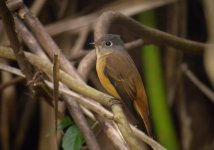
(100, 66)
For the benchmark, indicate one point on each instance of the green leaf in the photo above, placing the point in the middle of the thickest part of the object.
(64, 124)
(72, 140)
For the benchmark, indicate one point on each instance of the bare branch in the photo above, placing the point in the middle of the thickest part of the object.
(109, 21)
(204, 89)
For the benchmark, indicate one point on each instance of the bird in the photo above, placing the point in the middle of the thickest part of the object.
(119, 76)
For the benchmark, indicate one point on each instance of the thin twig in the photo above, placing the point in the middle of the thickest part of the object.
(112, 134)
(12, 70)
(86, 65)
(56, 85)
(11, 82)
(28, 38)
(147, 139)
(203, 88)
(80, 40)
(76, 24)
(37, 6)
(10, 29)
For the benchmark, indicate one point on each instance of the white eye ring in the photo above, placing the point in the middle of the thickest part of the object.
(108, 43)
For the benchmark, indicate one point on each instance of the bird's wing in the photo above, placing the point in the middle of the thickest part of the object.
(125, 78)
(120, 72)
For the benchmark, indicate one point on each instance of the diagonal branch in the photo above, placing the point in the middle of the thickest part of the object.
(9, 25)
(110, 21)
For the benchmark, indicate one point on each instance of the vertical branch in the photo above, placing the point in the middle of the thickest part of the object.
(9, 25)
(56, 86)
(124, 127)
(209, 53)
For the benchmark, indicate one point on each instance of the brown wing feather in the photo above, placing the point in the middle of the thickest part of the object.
(124, 76)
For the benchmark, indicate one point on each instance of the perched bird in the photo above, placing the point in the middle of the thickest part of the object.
(120, 77)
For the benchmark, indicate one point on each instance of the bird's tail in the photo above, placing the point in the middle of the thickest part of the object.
(142, 108)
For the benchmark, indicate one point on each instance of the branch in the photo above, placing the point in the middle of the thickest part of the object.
(46, 41)
(28, 38)
(37, 6)
(110, 21)
(76, 24)
(203, 88)
(9, 25)
(209, 53)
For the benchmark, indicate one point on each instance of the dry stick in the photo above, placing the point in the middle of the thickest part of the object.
(6, 98)
(14, 5)
(56, 85)
(9, 25)
(50, 46)
(28, 38)
(37, 6)
(112, 134)
(11, 82)
(209, 53)
(128, 8)
(46, 41)
(124, 127)
(82, 100)
(12, 70)
(80, 40)
(78, 55)
(86, 65)
(26, 69)
(204, 89)
(110, 20)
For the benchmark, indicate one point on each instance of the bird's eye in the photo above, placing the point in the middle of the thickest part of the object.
(108, 43)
